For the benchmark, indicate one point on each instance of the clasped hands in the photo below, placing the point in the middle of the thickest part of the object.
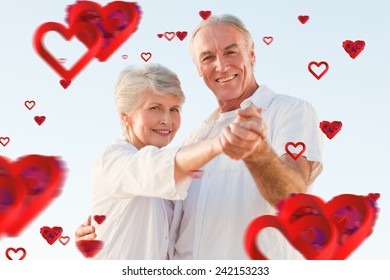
(244, 135)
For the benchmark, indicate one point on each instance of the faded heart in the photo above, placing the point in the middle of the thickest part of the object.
(268, 39)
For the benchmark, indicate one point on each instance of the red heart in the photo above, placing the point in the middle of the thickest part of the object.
(374, 196)
(348, 238)
(268, 39)
(15, 252)
(29, 104)
(146, 56)
(41, 178)
(295, 157)
(169, 35)
(76, 28)
(116, 22)
(99, 218)
(65, 83)
(4, 141)
(89, 248)
(39, 119)
(181, 35)
(205, 14)
(353, 48)
(303, 19)
(51, 234)
(330, 128)
(64, 240)
(318, 64)
(160, 35)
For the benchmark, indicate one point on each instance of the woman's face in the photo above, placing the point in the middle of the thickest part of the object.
(156, 121)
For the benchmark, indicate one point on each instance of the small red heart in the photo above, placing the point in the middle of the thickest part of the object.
(29, 104)
(268, 39)
(4, 141)
(62, 60)
(205, 14)
(295, 157)
(374, 196)
(89, 248)
(64, 240)
(169, 35)
(146, 56)
(303, 19)
(353, 48)
(39, 119)
(65, 83)
(51, 234)
(318, 64)
(181, 35)
(15, 252)
(124, 56)
(99, 218)
(330, 128)
(160, 35)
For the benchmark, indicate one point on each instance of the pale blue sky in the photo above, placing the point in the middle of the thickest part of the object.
(81, 120)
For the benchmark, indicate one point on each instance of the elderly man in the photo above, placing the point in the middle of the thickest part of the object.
(254, 173)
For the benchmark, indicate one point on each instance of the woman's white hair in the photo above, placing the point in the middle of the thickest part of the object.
(224, 19)
(134, 81)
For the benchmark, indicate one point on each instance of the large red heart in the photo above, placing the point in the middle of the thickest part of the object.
(67, 33)
(330, 128)
(51, 234)
(116, 22)
(41, 177)
(353, 48)
(89, 248)
(347, 239)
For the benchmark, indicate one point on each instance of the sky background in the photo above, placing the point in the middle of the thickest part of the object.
(81, 120)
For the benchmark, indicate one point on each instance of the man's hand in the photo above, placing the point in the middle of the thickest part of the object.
(85, 231)
(244, 134)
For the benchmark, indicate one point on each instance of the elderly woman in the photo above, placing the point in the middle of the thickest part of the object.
(134, 179)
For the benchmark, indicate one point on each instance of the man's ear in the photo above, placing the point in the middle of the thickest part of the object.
(124, 117)
(252, 55)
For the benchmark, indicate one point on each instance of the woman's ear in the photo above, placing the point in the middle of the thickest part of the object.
(124, 117)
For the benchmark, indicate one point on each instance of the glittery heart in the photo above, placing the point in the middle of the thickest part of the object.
(51, 234)
(39, 180)
(89, 248)
(65, 83)
(115, 22)
(330, 128)
(353, 48)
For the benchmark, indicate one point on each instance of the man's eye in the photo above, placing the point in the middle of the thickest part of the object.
(175, 110)
(206, 58)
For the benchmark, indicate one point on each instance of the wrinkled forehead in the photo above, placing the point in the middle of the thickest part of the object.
(217, 36)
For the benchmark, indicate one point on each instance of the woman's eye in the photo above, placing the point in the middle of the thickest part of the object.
(154, 108)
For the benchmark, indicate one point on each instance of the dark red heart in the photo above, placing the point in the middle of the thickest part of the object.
(303, 19)
(181, 35)
(99, 218)
(51, 234)
(318, 64)
(4, 141)
(89, 248)
(160, 35)
(330, 128)
(205, 14)
(353, 48)
(15, 252)
(65, 83)
(39, 119)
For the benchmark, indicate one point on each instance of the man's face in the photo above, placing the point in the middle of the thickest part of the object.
(224, 60)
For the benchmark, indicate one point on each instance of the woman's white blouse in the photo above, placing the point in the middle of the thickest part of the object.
(132, 188)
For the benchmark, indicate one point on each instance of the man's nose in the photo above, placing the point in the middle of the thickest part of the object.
(221, 64)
